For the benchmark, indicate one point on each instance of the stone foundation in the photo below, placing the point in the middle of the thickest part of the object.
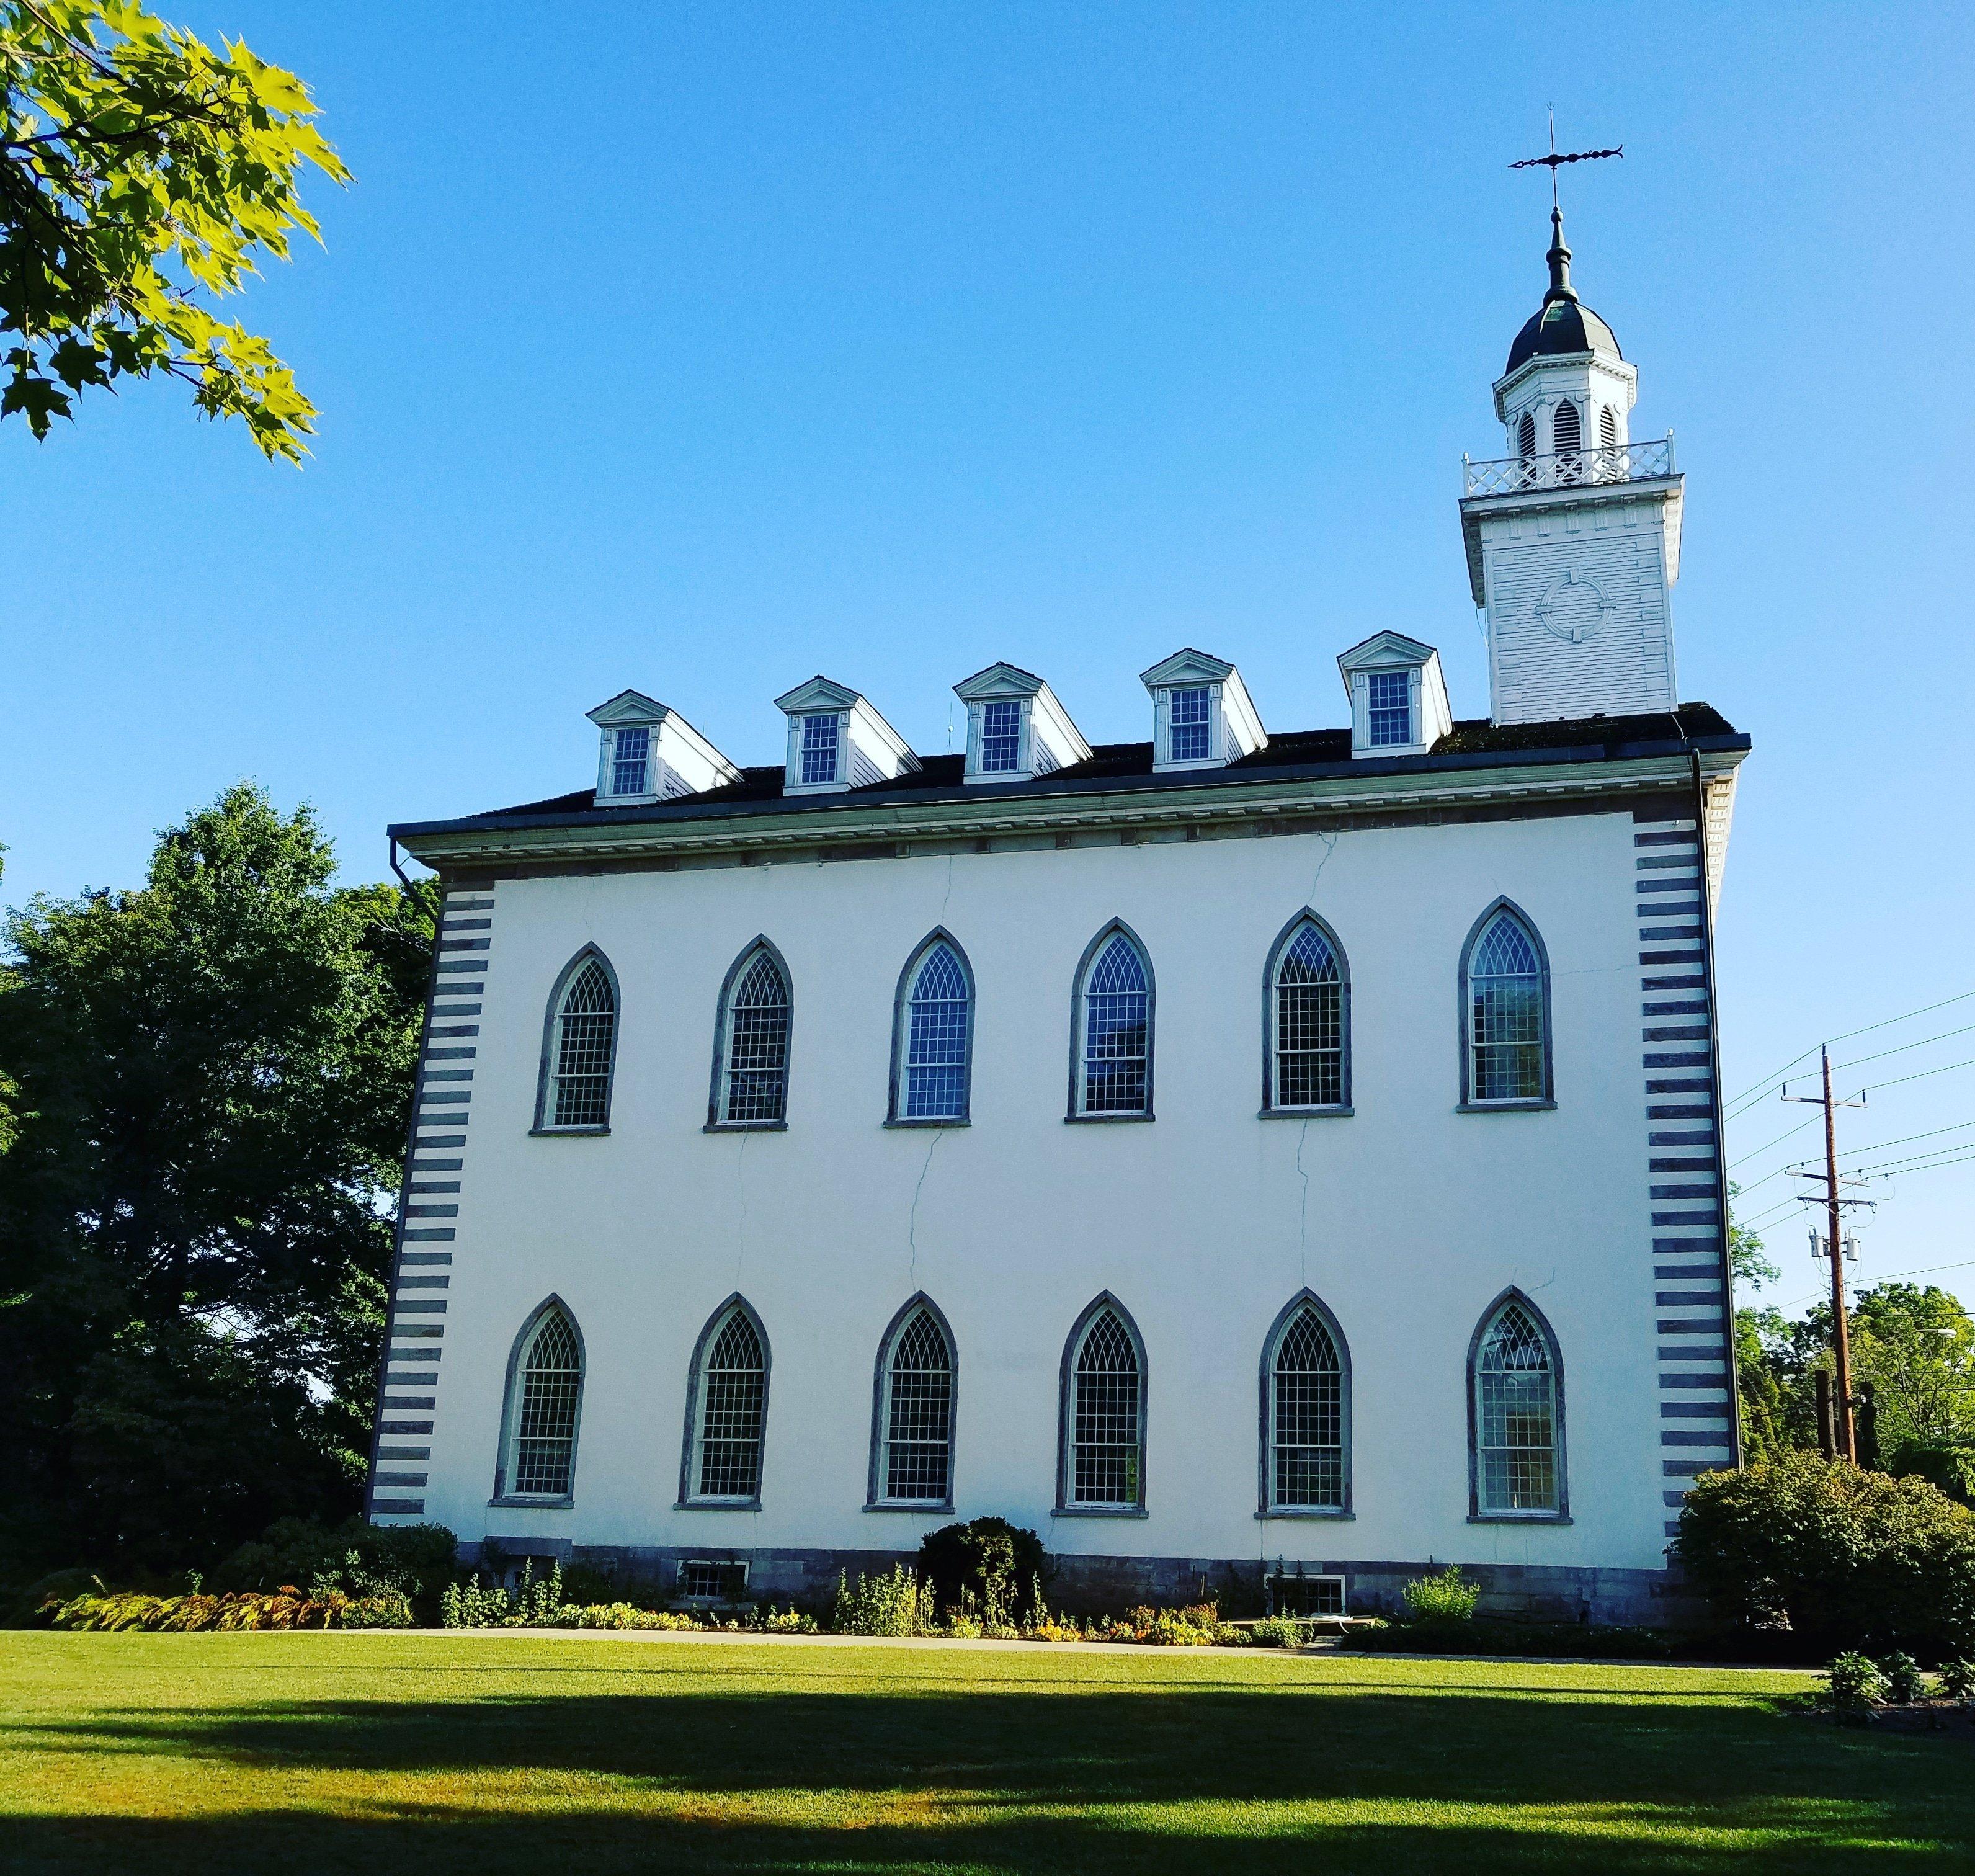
(1087, 1585)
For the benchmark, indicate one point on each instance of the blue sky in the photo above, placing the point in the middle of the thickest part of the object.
(702, 348)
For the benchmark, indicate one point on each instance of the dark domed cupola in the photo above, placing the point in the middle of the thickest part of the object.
(1564, 324)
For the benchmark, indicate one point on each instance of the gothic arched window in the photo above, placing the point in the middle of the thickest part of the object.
(913, 1433)
(1505, 1012)
(933, 1042)
(544, 1404)
(726, 1415)
(580, 1051)
(1516, 1416)
(1307, 1059)
(1103, 1413)
(751, 1058)
(1112, 1050)
(1306, 1389)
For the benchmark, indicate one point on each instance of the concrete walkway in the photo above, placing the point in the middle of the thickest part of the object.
(1328, 1647)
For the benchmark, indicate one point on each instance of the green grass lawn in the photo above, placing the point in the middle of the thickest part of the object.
(381, 1754)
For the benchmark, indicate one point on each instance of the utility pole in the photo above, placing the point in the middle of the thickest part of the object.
(1842, 1434)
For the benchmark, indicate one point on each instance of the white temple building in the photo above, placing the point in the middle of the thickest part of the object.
(1263, 1161)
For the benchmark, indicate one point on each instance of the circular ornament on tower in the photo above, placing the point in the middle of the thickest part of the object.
(1574, 607)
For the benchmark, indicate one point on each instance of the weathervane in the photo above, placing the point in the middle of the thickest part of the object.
(1553, 161)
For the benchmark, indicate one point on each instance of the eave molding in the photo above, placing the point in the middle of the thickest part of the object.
(974, 818)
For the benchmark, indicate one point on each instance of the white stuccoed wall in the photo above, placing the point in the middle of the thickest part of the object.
(1417, 1215)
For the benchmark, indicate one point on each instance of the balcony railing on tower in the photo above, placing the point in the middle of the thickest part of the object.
(1568, 469)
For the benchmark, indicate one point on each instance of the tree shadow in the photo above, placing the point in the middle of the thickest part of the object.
(796, 1775)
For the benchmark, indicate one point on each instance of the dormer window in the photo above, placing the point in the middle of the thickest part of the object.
(821, 733)
(1015, 729)
(1202, 715)
(1192, 724)
(837, 740)
(650, 754)
(1389, 708)
(1001, 736)
(631, 762)
(1399, 698)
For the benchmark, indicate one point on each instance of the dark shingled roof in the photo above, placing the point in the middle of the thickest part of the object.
(1300, 750)
(1560, 326)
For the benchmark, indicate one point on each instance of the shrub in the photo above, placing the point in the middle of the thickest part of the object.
(1445, 1596)
(785, 1622)
(1198, 1625)
(1905, 1683)
(1001, 1566)
(1837, 1554)
(897, 1603)
(1277, 1631)
(382, 1608)
(623, 1615)
(1957, 1679)
(354, 1557)
(286, 1607)
(1855, 1683)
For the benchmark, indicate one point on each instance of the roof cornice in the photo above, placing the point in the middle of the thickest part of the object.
(1529, 777)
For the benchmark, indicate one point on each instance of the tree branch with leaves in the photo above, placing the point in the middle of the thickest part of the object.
(143, 174)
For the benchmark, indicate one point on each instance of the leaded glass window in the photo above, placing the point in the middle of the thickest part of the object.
(631, 762)
(1116, 1031)
(937, 1013)
(1515, 1416)
(586, 1031)
(733, 1399)
(1000, 736)
(1309, 1029)
(1191, 728)
(820, 736)
(916, 1415)
(548, 1377)
(1505, 1014)
(755, 1071)
(1388, 708)
(1307, 1416)
(1106, 1437)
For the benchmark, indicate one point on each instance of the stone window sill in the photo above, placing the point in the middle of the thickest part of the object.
(1305, 1113)
(745, 1126)
(1312, 1513)
(505, 1502)
(1504, 1107)
(553, 1133)
(1099, 1511)
(1519, 1517)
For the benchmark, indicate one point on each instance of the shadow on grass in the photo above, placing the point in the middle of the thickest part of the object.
(1192, 1779)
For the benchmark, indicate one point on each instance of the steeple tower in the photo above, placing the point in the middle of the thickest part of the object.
(1572, 537)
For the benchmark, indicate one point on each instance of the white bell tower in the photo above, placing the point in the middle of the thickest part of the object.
(1573, 537)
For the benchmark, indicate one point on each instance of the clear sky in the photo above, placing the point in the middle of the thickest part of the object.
(701, 348)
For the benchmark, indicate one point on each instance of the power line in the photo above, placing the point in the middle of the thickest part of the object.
(1763, 1085)
(1960, 1126)
(1870, 1087)
(1890, 1277)
(1858, 1059)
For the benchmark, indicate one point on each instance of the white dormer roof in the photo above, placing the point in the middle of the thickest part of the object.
(679, 759)
(1048, 739)
(868, 748)
(1430, 717)
(1234, 724)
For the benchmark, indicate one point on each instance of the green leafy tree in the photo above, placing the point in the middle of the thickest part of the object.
(142, 175)
(1756, 1387)
(195, 1221)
